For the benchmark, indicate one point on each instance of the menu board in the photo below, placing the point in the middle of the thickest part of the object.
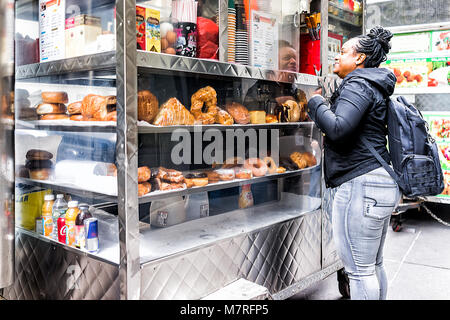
(264, 40)
(51, 29)
(439, 123)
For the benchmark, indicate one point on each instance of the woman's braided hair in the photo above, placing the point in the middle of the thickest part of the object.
(375, 45)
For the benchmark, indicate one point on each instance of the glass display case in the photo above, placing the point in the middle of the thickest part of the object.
(193, 152)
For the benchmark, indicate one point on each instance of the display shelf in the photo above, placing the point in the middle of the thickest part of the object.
(67, 125)
(160, 61)
(332, 16)
(98, 61)
(144, 127)
(423, 90)
(157, 195)
(69, 188)
(157, 242)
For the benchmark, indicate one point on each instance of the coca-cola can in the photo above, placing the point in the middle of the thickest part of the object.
(62, 229)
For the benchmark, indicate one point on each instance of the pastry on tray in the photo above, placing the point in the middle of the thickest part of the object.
(207, 97)
(173, 113)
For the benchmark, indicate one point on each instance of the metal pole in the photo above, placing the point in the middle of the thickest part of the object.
(127, 149)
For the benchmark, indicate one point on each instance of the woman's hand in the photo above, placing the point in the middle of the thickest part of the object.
(318, 92)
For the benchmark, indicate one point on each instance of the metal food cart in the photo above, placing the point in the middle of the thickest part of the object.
(283, 242)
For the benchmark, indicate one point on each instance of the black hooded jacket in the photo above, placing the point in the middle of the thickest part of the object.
(357, 108)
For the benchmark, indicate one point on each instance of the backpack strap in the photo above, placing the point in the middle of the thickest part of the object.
(383, 163)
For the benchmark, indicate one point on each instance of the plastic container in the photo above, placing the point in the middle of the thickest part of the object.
(168, 35)
(197, 206)
(47, 218)
(59, 208)
(71, 216)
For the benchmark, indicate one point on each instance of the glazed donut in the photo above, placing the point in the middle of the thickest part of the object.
(196, 179)
(144, 188)
(52, 116)
(74, 108)
(224, 117)
(225, 174)
(299, 159)
(144, 174)
(271, 165)
(206, 96)
(77, 117)
(54, 97)
(258, 167)
(242, 173)
(46, 108)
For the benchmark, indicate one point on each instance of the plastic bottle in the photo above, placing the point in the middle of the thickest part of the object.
(80, 235)
(59, 208)
(71, 216)
(47, 220)
(246, 197)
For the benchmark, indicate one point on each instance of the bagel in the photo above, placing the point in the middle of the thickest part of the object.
(206, 96)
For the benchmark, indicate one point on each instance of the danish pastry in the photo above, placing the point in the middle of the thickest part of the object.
(173, 113)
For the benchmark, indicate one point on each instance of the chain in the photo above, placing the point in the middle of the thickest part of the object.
(435, 217)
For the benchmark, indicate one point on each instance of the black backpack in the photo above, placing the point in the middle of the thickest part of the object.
(414, 153)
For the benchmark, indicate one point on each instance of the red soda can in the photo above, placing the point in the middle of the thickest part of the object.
(62, 229)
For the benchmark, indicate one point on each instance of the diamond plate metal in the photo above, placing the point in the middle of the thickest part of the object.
(275, 257)
(45, 271)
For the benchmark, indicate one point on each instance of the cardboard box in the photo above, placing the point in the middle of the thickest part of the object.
(140, 28)
(153, 31)
(81, 35)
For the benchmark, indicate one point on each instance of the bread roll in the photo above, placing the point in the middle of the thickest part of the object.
(148, 106)
(46, 108)
(95, 107)
(55, 97)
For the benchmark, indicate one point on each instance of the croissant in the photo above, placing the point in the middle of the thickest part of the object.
(95, 107)
(173, 113)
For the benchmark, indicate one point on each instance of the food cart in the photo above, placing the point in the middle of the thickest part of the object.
(112, 126)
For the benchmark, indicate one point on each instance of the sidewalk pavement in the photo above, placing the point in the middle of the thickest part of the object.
(417, 261)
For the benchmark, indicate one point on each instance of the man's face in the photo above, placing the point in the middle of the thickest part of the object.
(288, 59)
(345, 62)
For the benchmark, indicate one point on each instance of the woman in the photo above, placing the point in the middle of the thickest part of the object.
(363, 193)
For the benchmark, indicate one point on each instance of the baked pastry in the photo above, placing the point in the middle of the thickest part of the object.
(271, 165)
(310, 159)
(46, 108)
(36, 154)
(233, 162)
(238, 112)
(74, 108)
(54, 116)
(144, 188)
(299, 159)
(39, 169)
(293, 110)
(144, 174)
(242, 173)
(270, 118)
(54, 97)
(257, 117)
(94, 107)
(40, 174)
(302, 103)
(169, 175)
(282, 113)
(207, 97)
(257, 166)
(111, 116)
(173, 113)
(77, 117)
(225, 174)
(281, 170)
(213, 176)
(224, 117)
(198, 179)
(148, 106)
(288, 164)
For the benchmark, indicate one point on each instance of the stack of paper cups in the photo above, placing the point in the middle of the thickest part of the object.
(231, 32)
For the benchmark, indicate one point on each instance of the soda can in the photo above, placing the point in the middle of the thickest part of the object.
(91, 233)
(62, 229)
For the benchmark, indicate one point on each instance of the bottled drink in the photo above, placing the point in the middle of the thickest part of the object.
(62, 228)
(47, 219)
(80, 234)
(245, 197)
(59, 209)
(71, 216)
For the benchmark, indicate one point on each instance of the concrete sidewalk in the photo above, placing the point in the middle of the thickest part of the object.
(417, 261)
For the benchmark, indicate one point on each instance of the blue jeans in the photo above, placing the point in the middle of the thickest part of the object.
(361, 210)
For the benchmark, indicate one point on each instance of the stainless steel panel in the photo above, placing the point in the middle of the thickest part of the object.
(127, 149)
(6, 145)
(275, 257)
(329, 253)
(47, 271)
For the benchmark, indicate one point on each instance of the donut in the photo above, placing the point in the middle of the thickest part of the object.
(144, 174)
(224, 117)
(54, 97)
(35, 154)
(197, 179)
(52, 116)
(242, 173)
(257, 166)
(205, 96)
(271, 166)
(144, 188)
(77, 117)
(225, 174)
